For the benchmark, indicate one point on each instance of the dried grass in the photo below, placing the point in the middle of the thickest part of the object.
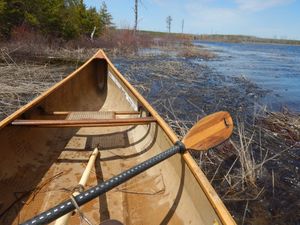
(20, 83)
(195, 52)
(245, 155)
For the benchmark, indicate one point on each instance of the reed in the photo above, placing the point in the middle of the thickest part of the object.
(244, 152)
(20, 83)
(195, 52)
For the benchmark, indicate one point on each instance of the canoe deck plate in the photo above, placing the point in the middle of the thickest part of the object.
(89, 115)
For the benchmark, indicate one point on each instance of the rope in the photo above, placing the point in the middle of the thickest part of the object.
(78, 188)
(81, 215)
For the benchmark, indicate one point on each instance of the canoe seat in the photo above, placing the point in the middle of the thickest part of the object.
(91, 115)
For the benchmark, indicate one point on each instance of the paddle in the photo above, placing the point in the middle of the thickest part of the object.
(206, 133)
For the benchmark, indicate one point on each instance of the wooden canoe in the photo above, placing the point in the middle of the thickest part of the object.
(46, 144)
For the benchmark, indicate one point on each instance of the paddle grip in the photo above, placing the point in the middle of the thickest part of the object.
(86, 196)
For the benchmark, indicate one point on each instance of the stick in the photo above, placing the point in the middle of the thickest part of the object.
(65, 219)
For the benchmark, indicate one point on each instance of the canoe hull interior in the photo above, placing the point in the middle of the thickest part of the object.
(40, 166)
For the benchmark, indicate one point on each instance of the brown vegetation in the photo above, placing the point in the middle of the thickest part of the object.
(196, 52)
(20, 83)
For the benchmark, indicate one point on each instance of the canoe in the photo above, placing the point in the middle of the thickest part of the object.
(46, 145)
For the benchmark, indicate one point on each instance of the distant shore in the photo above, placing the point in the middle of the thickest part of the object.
(246, 39)
(230, 38)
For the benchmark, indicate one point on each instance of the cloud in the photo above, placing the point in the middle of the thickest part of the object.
(216, 16)
(212, 14)
(258, 5)
(205, 17)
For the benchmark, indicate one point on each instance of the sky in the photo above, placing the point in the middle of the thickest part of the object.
(262, 18)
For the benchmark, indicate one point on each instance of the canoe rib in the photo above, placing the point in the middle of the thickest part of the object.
(84, 123)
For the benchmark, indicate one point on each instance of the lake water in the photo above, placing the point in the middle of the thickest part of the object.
(273, 67)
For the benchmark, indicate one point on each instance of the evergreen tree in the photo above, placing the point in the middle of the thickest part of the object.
(2, 17)
(2, 6)
(105, 16)
(90, 19)
(12, 14)
(54, 18)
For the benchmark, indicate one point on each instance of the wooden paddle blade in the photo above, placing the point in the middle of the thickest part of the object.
(209, 131)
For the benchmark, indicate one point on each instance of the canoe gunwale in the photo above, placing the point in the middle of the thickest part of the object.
(200, 177)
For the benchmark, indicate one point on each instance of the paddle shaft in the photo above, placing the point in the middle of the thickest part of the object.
(86, 196)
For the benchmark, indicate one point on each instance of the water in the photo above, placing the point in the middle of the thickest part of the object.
(273, 67)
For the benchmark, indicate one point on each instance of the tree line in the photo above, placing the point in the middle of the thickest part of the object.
(67, 19)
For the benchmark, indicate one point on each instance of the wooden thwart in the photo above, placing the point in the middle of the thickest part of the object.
(116, 113)
(85, 123)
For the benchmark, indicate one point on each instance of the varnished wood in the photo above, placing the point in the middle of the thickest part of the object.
(209, 131)
(127, 113)
(117, 113)
(84, 123)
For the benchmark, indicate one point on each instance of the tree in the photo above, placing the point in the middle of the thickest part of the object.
(66, 19)
(105, 16)
(89, 20)
(169, 21)
(182, 26)
(135, 15)
(11, 14)
(3, 29)
(2, 6)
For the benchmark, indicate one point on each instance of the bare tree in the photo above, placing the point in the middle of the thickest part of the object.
(169, 21)
(182, 26)
(136, 15)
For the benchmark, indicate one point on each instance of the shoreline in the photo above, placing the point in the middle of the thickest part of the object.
(245, 42)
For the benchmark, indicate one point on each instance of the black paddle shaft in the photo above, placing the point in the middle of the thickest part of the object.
(86, 196)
